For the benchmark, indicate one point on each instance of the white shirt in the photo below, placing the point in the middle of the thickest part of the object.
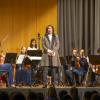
(29, 48)
(50, 37)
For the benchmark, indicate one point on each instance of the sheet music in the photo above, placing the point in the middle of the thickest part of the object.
(34, 58)
(20, 59)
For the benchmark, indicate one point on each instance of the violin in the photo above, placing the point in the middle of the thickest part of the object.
(77, 62)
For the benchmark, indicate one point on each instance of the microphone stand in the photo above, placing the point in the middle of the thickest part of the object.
(50, 76)
(39, 41)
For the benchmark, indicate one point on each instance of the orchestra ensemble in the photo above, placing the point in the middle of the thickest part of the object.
(48, 70)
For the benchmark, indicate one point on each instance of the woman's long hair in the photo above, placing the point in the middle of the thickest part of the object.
(21, 50)
(31, 45)
(51, 27)
(52, 31)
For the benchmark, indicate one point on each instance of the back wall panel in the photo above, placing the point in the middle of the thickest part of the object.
(21, 20)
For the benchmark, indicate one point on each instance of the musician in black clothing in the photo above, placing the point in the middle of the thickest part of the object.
(69, 73)
(82, 68)
(34, 63)
(78, 67)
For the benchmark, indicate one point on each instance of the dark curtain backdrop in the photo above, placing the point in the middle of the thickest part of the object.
(79, 25)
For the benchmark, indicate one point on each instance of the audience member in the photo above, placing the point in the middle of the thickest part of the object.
(52, 94)
(74, 93)
(4, 96)
(18, 96)
(67, 97)
(32, 96)
(87, 95)
(40, 96)
(62, 93)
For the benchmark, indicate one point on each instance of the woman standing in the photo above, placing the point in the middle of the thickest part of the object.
(50, 58)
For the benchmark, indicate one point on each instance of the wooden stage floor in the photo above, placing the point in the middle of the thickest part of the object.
(26, 90)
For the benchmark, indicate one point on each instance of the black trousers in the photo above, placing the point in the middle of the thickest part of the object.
(50, 71)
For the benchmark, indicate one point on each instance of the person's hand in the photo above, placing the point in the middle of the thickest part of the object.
(50, 52)
(53, 53)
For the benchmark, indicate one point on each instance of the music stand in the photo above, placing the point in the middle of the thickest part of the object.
(37, 53)
(68, 58)
(63, 63)
(94, 59)
(10, 58)
(35, 63)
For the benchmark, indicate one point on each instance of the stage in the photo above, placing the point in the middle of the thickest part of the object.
(26, 90)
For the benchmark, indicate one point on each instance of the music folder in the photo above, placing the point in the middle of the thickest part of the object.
(10, 58)
(20, 59)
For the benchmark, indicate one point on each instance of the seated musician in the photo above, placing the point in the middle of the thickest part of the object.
(23, 71)
(69, 73)
(81, 70)
(33, 45)
(7, 67)
(19, 67)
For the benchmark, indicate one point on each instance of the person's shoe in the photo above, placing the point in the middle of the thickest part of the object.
(20, 85)
(13, 85)
(45, 86)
